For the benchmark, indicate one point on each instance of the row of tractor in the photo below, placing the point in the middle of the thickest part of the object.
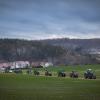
(73, 74)
(88, 74)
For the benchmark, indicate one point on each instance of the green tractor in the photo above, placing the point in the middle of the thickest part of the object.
(89, 74)
(61, 73)
(36, 72)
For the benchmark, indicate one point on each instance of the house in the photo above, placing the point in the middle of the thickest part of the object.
(41, 64)
(15, 64)
(20, 64)
(5, 64)
(46, 64)
(36, 64)
(2, 69)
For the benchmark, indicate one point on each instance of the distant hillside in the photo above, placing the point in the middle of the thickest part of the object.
(57, 51)
(14, 49)
(80, 45)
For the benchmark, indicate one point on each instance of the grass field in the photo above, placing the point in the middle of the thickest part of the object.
(30, 87)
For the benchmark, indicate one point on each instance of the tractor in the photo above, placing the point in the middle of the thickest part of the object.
(73, 74)
(47, 73)
(36, 72)
(89, 74)
(29, 71)
(18, 71)
(61, 74)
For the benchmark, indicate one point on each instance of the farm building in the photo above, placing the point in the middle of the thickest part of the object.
(16, 64)
(46, 64)
(20, 64)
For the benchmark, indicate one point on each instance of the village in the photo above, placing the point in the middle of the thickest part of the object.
(10, 66)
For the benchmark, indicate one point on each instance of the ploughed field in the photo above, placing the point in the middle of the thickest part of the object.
(31, 87)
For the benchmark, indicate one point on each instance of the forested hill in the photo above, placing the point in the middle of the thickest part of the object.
(75, 43)
(58, 51)
(83, 46)
(14, 49)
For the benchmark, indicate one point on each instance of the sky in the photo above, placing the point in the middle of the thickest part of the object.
(47, 19)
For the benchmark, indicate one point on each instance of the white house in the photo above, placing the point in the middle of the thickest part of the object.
(16, 64)
(20, 64)
(2, 69)
(46, 64)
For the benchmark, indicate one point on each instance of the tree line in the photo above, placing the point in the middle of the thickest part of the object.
(15, 49)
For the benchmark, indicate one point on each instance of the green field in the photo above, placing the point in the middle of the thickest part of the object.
(30, 87)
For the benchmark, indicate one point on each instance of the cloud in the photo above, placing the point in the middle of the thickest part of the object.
(49, 18)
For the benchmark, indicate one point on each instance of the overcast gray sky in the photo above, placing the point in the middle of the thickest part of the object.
(42, 19)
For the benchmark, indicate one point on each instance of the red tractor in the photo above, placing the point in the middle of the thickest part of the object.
(73, 74)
